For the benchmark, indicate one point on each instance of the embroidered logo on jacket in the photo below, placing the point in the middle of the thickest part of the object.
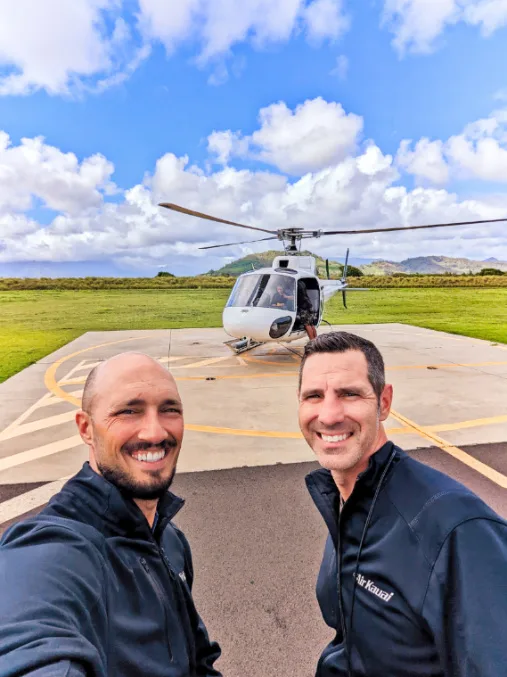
(369, 585)
(182, 576)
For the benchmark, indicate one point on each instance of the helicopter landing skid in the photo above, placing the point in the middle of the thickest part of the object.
(242, 345)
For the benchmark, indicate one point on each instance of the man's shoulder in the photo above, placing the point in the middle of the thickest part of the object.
(44, 533)
(431, 503)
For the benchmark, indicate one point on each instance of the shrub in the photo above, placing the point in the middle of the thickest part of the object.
(491, 271)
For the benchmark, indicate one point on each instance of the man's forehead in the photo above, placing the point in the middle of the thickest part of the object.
(350, 364)
(121, 380)
(151, 391)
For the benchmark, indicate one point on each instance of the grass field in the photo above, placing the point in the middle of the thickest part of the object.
(35, 323)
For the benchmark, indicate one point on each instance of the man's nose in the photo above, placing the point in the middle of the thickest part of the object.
(331, 411)
(152, 429)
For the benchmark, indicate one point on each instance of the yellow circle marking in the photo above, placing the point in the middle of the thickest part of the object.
(52, 385)
(410, 426)
(50, 375)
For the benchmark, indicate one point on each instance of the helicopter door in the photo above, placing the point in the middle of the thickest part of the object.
(308, 303)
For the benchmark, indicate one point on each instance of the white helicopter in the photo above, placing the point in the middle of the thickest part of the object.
(285, 303)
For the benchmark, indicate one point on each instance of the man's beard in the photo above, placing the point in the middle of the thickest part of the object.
(132, 489)
(128, 485)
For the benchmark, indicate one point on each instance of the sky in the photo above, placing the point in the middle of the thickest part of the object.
(323, 114)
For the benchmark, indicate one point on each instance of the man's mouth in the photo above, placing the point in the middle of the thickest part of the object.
(149, 456)
(330, 439)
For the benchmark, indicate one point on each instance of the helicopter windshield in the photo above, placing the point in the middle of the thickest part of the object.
(263, 291)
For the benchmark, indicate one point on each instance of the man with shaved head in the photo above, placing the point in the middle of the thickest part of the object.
(99, 583)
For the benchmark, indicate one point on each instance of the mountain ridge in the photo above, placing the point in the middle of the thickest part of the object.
(427, 265)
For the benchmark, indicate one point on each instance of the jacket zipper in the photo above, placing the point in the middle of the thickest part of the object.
(187, 630)
(339, 576)
(163, 599)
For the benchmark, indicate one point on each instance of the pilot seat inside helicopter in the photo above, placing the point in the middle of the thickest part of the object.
(307, 302)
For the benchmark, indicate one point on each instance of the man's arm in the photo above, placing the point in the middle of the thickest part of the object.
(207, 652)
(466, 601)
(52, 606)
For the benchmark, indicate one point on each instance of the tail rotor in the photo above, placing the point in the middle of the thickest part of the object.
(344, 279)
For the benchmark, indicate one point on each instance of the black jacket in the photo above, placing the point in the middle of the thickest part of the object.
(427, 587)
(88, 589)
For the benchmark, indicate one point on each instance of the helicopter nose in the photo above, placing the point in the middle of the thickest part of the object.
(255, 323)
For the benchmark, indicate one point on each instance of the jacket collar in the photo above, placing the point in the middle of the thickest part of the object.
(89, 497)
(324, 491)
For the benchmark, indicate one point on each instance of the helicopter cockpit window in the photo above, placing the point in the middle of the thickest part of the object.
(263, 291)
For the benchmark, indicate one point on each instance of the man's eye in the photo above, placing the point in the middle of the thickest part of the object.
(350, 393)
(126, 412)
(171, 410)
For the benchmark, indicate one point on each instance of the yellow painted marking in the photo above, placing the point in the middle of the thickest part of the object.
(409, 426)
(39, 452)
(454, 451)
(57, 400)
(474, 423)
(243, 433)
(256, 433)
(50, 375)
(78, 380)
(446, 365)
(42, 402)
(33, 426)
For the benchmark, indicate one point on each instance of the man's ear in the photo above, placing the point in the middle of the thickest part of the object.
(386, 400)
(84, 426)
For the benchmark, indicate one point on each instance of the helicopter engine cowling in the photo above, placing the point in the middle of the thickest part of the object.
(259, 324)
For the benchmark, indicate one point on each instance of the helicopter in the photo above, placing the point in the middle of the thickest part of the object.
(285, 303)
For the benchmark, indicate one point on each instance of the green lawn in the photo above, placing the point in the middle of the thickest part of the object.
(35, 323)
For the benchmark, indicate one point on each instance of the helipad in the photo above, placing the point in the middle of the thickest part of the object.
(450, 391)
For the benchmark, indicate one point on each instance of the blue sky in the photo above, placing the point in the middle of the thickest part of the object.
(331, 114)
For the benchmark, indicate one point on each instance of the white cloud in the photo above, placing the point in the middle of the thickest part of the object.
(341, 68)
(479, 152)
(426, 161)
(348, 189)
(417, 24)
(56, 45)
(325, 19)
(357, 192)
(67, 47)
(217, 25)
(35, 170)
(316, 134)
(490, 15)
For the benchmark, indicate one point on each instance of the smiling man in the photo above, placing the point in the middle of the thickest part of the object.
(413, 575)
(100, 582)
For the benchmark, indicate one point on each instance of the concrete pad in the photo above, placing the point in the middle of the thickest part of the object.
(242, 411)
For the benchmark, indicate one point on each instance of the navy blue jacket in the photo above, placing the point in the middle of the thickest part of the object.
(429, 597)
(88, 589)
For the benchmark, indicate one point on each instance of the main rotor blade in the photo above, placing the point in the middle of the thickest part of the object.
(200, 215)
(214, 246)
(390, 230)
